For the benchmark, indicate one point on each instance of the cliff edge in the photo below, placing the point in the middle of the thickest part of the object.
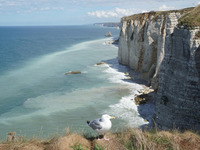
(165, 48)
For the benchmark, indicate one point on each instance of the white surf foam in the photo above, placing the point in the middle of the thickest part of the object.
(126, 109)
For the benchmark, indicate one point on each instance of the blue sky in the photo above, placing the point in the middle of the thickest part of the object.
(77, 12)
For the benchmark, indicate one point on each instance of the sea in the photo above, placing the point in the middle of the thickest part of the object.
(37, 98)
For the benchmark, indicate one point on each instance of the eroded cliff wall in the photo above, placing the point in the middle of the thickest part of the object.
(142, 42)
(169, 56)
(178, 96)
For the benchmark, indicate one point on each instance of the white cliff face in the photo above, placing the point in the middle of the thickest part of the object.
(178, 97)
(171, 58)
(141, 44)
(123, 54)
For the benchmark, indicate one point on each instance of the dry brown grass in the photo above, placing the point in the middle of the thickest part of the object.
(141, 17)
(28, 145)
(160, 140)
(67, 143)
(114, 143)
(129, 139)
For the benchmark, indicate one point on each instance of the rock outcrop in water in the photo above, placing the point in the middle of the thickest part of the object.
(73, 72)
(167, 53)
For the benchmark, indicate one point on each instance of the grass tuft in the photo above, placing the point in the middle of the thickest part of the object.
(77, 146)
(98, 147)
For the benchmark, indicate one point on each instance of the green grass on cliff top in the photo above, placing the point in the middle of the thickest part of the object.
(191, 17)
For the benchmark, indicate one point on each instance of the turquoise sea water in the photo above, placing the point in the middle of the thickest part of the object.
(38, 100)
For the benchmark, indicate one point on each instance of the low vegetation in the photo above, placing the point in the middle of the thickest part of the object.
(165, 13)
(129, 139)
(155, 14)
(141, 17)
(191, 19)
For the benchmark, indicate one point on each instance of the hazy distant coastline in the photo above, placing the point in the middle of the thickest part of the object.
(108, 24)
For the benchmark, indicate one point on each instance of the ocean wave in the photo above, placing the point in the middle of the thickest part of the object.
(125, 109)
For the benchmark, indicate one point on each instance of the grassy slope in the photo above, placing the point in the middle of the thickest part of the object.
(128, 139)
(191, 19)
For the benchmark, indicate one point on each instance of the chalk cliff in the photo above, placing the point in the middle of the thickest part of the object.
(167, 53)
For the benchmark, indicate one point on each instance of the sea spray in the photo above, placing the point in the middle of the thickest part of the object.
(126, 108)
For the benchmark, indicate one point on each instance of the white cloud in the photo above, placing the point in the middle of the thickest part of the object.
(51, 8)
(117, 13)
(165, 7)
(102, 14)
(32, 10)
(44, 8)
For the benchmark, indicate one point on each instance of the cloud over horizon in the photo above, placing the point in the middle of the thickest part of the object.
(116, 12)
(165, 7)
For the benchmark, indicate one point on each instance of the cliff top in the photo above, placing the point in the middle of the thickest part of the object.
(127, 139)
(191, 17)
(155, 14)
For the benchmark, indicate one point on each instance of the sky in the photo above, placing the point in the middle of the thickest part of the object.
(79, 12)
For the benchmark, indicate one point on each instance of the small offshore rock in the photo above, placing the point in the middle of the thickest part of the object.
(101, 63)
(73, 72)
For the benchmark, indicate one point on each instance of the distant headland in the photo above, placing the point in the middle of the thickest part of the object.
(108, 24)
